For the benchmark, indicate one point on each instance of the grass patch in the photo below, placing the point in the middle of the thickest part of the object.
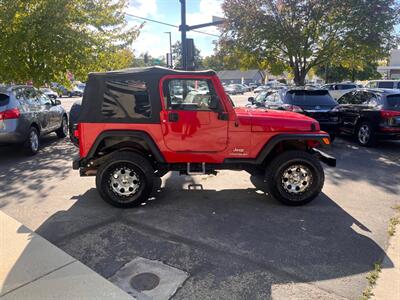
(393, 222)
(372, 277)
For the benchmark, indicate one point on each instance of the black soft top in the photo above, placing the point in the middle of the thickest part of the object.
(96, 87)
(155, 71)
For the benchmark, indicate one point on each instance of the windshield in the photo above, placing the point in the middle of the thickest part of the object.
(261, 97)
(393, 101)
(309, 97)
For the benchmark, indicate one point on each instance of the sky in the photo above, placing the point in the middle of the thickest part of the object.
(152, 38)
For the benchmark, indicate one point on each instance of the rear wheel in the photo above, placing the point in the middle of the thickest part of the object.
(365, 135)
(295, 178)
(126, 180)
(62, 132)
(33, 142)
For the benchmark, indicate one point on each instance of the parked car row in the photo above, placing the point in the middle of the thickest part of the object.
(26, 114)
(367, 114)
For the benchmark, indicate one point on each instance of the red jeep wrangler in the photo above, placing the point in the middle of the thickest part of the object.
(139, 123)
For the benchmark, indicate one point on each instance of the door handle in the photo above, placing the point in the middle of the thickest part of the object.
(173, 117)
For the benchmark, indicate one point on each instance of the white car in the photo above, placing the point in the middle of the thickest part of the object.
(383, 84)
(337, 90)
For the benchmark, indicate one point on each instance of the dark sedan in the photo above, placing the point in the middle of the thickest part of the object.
(317, 104)
(371, 115)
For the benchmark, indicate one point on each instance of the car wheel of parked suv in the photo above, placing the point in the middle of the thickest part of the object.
(33, 142)
(295, 177)
(125, 180)
(365, 135)
(62, 132)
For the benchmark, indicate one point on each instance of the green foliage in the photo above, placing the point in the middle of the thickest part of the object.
(151, 61)
(301, 35)
(41, 40)
(177, 56)
(334, 73)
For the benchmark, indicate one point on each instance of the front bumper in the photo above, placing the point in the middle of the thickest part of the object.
(330, 127)
(324, 157)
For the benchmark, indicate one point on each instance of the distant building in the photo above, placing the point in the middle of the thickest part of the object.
(392, 71)
(237, 76)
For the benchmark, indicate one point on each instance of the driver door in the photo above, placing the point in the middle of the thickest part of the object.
(192, 119)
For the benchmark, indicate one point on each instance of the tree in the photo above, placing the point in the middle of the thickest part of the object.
(300, 35)
(332, 73)
(151, 61)
(177, 56)
(42, 40)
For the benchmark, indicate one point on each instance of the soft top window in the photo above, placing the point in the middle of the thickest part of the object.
(126, 99)
(309, 97)
(4, 99)
(393, 101)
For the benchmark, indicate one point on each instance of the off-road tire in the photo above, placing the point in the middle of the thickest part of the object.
(371, 141)
(138, 165)
(32, 143)
(62, 132)
(274, 177)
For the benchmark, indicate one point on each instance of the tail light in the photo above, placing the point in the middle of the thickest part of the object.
(10, 114)
(293, 108)
(390, 119)
(388, 114)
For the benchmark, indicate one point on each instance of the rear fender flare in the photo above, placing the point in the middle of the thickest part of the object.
(134, 135)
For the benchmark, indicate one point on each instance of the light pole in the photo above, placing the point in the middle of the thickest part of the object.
(170, 48)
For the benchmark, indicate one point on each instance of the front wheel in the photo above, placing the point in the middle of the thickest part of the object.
(295, 177)
(126, 180)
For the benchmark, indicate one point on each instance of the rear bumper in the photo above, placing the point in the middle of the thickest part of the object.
(387, 135)
(325, 158)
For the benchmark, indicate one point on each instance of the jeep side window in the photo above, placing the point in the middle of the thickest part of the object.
(126, 99)
(188, 94)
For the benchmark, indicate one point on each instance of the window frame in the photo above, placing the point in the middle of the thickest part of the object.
(165, 92)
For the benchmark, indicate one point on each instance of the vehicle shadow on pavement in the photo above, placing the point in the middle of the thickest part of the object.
(378, 166)
(234, 243)
(22, 175)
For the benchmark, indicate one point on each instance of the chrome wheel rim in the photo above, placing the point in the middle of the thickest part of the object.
(65, 126)
(364, 134)
(34, 141)
(296, 179)
(124, 182)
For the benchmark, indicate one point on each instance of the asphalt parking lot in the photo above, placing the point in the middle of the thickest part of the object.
(233, 239)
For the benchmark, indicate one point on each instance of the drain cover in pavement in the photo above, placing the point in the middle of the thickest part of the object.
(149, 279)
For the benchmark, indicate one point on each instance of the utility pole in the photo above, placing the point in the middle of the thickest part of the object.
(184, 28)
(170, 49)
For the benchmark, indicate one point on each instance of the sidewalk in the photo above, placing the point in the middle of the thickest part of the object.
(33, 268)
(388, 283)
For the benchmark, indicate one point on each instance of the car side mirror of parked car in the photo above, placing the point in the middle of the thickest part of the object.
(57, 102)
(251, 100)
(214, 103)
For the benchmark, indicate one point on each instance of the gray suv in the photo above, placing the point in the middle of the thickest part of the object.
(26, 114)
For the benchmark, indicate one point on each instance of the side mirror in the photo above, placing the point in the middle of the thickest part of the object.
(214, 103)
(251, 100)
(57, 102)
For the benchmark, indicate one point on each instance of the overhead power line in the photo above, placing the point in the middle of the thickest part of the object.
(167, 24)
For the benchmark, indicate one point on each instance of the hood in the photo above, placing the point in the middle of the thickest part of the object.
(276, 120)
